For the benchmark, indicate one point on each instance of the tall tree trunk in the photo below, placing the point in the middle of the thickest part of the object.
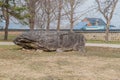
(71, 16)
(31, 8)
(6, 16)
(6, 28)
(48, 23)
(107, 31)
(71, 21)
(59, 15)
(71, 26)
(32, 19)
(59, 20)
(31, 23)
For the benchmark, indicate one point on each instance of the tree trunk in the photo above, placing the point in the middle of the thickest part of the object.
(6, 16)
(48, 23)
(107, 32)
(71, 26)
(31, 22)
(32, 19)
(6, 29)
(71, 22)
(31, 9)
(71, 17)
(59, 20)
(59, 15)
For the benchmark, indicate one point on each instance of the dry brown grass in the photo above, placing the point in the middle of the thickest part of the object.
(12, 32)
(17, 64)
(11, 35)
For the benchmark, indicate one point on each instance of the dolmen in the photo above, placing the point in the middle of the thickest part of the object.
(51, 41)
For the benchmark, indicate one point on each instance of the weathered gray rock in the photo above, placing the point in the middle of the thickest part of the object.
(51, 41)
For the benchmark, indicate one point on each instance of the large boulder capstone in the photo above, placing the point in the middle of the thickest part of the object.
(51, 41)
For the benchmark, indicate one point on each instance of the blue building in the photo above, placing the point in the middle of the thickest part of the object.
(92, 24)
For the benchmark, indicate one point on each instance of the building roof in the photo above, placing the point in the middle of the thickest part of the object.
(80, 25)
(96, 24)
(94, 20)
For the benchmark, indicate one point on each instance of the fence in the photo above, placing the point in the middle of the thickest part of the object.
(90, 35)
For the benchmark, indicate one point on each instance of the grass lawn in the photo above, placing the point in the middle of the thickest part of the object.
(97, 64)
(100, 41)
(11, 37)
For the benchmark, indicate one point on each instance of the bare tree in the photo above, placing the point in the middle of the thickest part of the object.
(40, 13)
(107, 8)
(60, 7)
(53, 10)
(40, 20)
(48, 9)
(31, 5)
(70, 8)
